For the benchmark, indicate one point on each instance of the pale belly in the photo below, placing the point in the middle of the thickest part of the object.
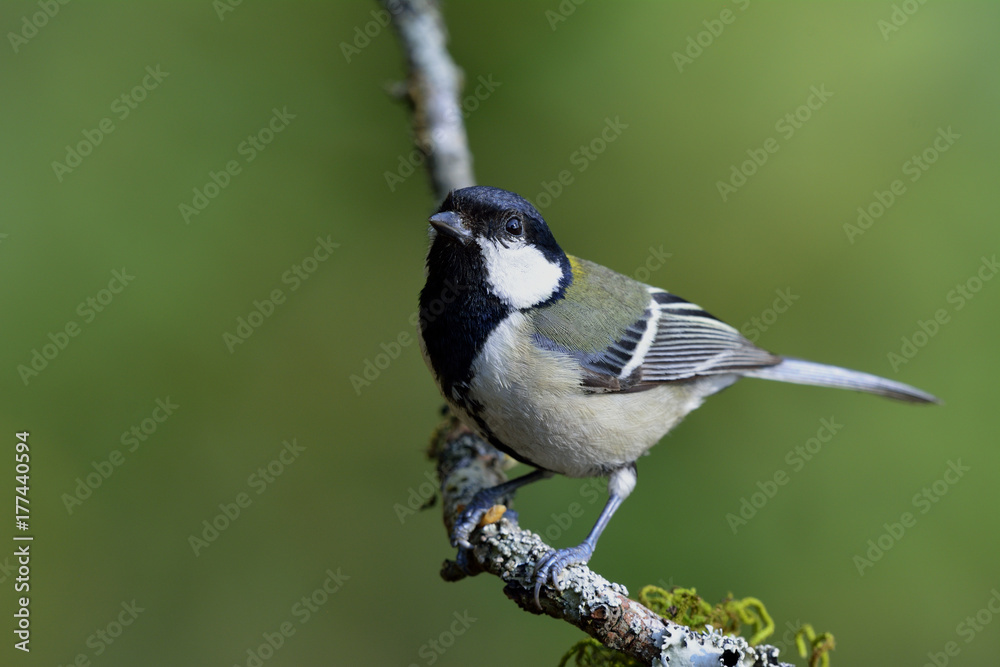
(535, 405)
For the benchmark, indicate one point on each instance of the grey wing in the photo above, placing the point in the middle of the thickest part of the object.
(688, 342)
(674, 340)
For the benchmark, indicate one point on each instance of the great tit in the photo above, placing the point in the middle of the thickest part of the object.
(568, 366)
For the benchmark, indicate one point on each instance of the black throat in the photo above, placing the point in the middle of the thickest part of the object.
(457, 314)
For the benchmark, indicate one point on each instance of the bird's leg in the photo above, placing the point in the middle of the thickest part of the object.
(620, 485)
(483, 501)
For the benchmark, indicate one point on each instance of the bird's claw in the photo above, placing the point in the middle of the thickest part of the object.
(471, 517)
(463, 528)
(551, 565)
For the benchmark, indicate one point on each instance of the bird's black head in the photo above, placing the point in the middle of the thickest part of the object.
(491, 255)
(497, 238)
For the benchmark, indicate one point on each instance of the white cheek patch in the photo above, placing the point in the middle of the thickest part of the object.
(520, 275)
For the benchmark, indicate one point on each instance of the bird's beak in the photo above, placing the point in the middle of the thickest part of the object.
(451, 224)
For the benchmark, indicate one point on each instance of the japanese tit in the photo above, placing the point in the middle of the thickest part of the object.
(569, 366)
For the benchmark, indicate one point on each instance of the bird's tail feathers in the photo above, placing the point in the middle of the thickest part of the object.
(801, 371)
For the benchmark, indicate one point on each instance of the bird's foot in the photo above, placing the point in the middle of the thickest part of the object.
(473, 516)
(551, 565)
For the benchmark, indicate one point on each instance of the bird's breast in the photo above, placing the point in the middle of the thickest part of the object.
(533, 401)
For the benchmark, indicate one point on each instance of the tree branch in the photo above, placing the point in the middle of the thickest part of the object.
(432, 89)
(466, 464)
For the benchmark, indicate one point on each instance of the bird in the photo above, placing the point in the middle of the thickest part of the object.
(568, 366)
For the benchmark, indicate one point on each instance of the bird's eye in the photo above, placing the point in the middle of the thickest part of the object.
(513, 227)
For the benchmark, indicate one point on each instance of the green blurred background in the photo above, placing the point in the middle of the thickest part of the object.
(336, 505)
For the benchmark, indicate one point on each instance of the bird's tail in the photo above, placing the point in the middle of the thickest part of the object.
(800, 371)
